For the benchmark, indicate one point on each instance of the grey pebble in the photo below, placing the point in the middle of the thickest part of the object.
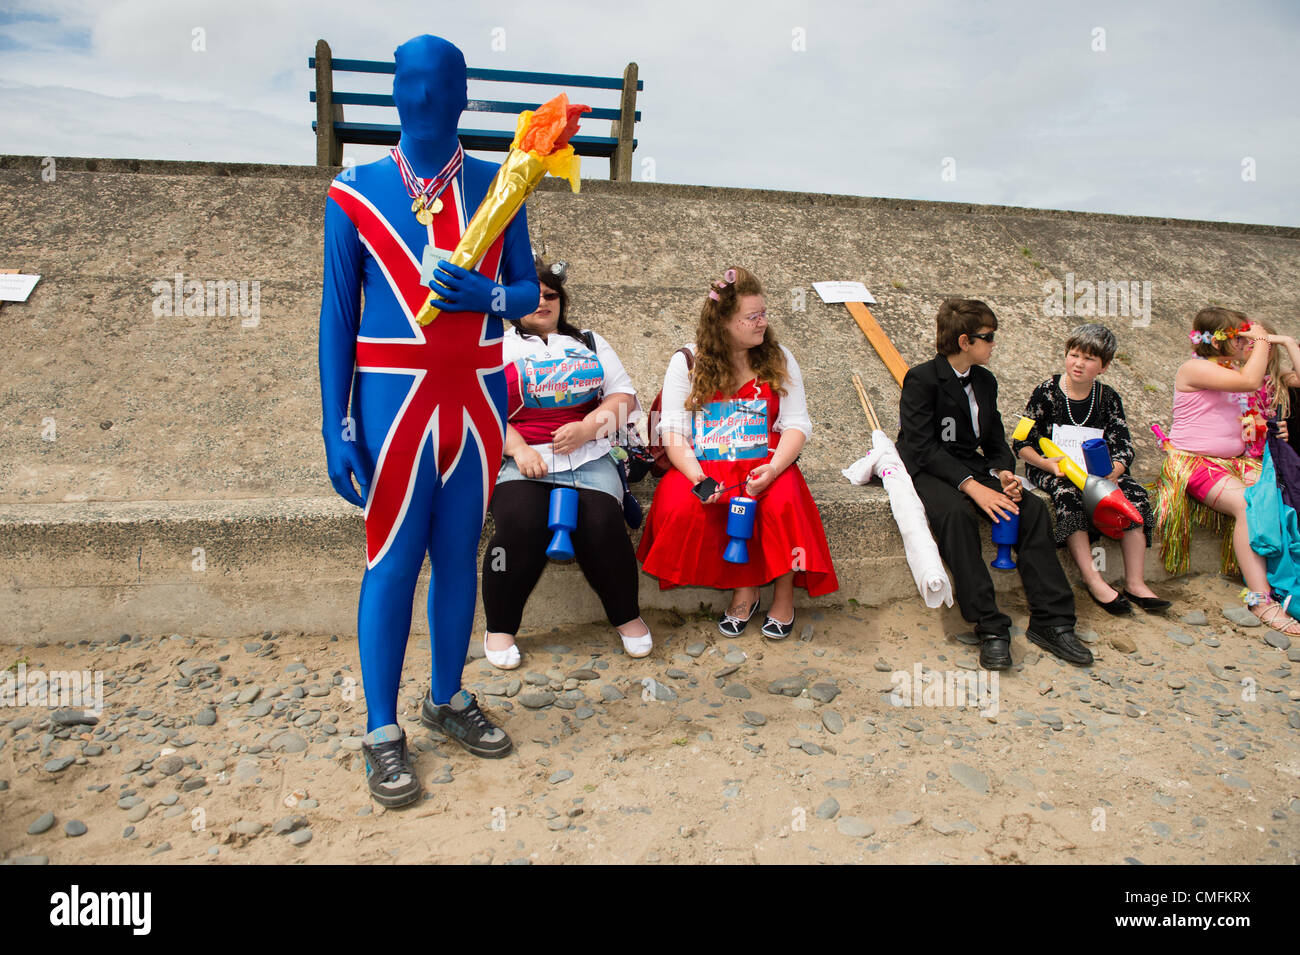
(1161, 829)
(833, 722)
(246, 827)
(905, 817)
(855, 827)
(971, 778)
(289, 743)
(824, 692)
(1185, 639)
(300, 838)
(695, 649)
(584, 712)
(537, 699)
(71, 717)
(206, 717)
(1294, 719)
(811, 748)
(557, 824)
(1279, 640)
(248, 694)
(59, 764)
(42, 824)
(74, 828)
(169, 765)
(259, 709)
(610, 693)
(444, 776)
(1241, 616)
(138, 812)
(788, 686)
(947, 828)
(1195, 618)
(288, 824)
(754, 718)
(736, 656)
(829, 808)
(310, 718)
(737, 691)
(560, 775)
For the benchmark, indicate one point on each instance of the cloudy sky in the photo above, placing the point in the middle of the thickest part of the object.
(1168, 109)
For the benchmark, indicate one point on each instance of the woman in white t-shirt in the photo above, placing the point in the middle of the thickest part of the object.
(567, 392)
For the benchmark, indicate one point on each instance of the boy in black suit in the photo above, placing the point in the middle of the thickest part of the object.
(951, 441)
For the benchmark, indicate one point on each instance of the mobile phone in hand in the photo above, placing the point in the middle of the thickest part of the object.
(705, 489)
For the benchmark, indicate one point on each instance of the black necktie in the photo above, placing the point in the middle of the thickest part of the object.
(963, 380)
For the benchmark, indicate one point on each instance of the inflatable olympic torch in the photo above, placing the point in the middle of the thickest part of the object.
(1108, 509)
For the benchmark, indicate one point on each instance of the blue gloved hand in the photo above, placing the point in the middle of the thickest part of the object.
(462, 290)
(343, 459)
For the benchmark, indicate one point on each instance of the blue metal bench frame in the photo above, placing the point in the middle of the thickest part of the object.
(332, 130)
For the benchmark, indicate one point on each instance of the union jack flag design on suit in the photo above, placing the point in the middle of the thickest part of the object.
(448, 361)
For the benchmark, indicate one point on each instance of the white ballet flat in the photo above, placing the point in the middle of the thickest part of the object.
(507, 659)
(638, 646)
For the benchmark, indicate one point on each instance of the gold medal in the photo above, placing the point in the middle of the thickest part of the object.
(424, 216)
(437, 206)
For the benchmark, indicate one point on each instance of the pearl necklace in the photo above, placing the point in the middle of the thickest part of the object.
(1092, 402)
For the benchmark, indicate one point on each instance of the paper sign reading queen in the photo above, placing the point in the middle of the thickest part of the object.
(562, 382)
(1069, 438)
(731, 430)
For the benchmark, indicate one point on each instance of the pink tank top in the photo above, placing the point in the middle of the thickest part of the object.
(1207, 422)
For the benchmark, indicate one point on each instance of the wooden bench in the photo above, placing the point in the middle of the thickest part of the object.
(332, 131)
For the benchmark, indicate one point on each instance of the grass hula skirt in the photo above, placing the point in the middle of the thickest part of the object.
(1176, 511)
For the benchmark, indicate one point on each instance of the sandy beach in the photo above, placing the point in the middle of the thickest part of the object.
(1185, 749)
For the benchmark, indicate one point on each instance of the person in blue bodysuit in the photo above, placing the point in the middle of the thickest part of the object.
(416, 413)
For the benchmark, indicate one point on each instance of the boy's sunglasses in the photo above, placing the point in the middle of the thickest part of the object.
(982, 336)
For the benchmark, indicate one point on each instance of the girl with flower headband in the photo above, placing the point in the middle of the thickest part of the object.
(734, 412)
(1208, 469)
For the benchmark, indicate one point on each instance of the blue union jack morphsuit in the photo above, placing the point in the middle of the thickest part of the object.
(416, 413)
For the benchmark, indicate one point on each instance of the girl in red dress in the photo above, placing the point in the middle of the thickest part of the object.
(736, 413)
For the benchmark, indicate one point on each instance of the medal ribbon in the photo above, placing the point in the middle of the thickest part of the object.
(426, 190)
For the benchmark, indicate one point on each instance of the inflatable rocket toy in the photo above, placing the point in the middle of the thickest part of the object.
(1108, 509)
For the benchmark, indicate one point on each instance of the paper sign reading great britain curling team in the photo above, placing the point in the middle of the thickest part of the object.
(562, 382)
(731, 430)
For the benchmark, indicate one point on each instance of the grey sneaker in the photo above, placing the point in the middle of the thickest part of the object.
(461, 720)
(389, 773)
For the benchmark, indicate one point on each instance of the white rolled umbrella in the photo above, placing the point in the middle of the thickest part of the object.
(909, 513)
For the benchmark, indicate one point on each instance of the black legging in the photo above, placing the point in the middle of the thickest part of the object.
(516, 555)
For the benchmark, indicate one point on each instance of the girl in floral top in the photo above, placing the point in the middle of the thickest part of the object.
(1077, 398)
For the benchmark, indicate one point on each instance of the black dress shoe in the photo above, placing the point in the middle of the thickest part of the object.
(1119, 607)
(995, 652)
(1149, 604)
(1060, 642)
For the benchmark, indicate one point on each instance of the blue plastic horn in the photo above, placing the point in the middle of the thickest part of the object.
(741, 514)
(562, 519)
(1097, 456)
(1005, 533)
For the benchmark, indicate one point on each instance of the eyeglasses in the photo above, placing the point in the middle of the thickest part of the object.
(982, 336)
(550, 296)
(755, 318)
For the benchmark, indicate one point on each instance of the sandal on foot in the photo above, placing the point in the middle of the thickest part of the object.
(1268, 614)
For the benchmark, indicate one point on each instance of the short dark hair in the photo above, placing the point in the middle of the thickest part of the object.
(958, 317)
(1095, 340)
